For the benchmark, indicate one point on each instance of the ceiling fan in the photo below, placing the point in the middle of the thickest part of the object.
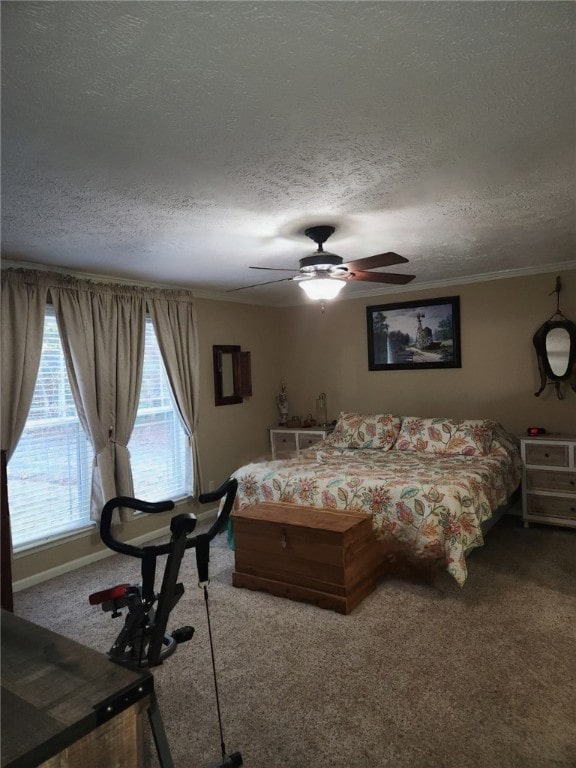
(323, 274)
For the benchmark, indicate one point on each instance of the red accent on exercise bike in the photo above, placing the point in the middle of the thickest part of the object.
(108, 594)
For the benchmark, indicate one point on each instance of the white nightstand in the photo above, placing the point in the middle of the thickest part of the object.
(287, 443)
(549, 479)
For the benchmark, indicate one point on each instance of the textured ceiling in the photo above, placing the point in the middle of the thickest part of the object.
(181, 142)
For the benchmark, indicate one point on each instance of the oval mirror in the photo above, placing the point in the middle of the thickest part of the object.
(558, 350)
(555, 345)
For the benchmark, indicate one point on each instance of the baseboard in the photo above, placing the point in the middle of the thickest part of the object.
(80, 562)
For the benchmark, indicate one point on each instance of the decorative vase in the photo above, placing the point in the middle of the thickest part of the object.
(321, 410)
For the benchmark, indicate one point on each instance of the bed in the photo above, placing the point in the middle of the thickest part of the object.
(432, 486)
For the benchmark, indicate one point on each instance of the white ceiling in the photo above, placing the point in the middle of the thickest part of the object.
(182, 142)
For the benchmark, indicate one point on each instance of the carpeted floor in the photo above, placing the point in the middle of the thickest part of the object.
(418, 676)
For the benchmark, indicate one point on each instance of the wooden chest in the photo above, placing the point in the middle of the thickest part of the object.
(329, 558)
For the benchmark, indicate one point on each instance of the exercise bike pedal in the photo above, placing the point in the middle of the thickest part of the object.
(183, 634)
(229, 761)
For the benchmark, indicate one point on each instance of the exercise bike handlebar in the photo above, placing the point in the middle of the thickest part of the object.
(227, 489)
(130, 503)
(206, 498)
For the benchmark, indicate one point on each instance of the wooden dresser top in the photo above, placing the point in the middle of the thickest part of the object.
(54, 691)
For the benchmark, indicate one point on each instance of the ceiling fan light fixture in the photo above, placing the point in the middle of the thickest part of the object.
(323, 288)
(323, 274)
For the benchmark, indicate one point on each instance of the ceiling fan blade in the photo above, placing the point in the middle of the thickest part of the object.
(256, 285)
(274, 269)
(382, 277)
(373, 262)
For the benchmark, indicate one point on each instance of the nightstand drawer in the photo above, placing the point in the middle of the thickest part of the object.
(284, 444)
(548, 455)
(287, 442)
(305, 441)
(551, 506)
(542, 480)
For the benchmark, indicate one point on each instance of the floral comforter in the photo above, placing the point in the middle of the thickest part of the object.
(434, 504)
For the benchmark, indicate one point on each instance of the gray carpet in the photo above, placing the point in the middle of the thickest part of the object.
(418, 676)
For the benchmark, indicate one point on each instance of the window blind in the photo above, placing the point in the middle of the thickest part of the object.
(50, 472)
(158, 444)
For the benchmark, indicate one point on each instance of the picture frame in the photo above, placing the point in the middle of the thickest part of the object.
(414, 335)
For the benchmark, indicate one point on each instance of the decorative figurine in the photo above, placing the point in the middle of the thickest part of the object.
(282, 401)
(322, 410)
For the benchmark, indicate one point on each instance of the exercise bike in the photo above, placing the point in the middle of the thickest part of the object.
(144, 640)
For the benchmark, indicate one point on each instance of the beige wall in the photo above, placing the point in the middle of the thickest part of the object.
(232, 435)
(327, 352)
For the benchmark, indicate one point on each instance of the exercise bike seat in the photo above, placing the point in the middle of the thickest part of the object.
(113, 593)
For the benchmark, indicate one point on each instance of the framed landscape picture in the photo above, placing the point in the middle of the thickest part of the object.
(414, 335)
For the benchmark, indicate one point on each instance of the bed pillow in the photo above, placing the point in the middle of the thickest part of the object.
(469, 437)
(358, 430)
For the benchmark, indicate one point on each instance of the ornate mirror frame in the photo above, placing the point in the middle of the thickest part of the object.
(549, 374)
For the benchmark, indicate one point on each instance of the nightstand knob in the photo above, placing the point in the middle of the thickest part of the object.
(547, 455)
(284, 541)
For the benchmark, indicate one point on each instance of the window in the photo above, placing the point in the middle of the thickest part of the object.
(50, 472)
(158, 446)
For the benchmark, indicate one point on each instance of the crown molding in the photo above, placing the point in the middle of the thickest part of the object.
(382, 288)
(484, 277)
(11, 264)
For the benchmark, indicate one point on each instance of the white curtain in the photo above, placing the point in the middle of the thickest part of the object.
(102, 327)
(102, 330)
(174, 319)
(23, 305)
